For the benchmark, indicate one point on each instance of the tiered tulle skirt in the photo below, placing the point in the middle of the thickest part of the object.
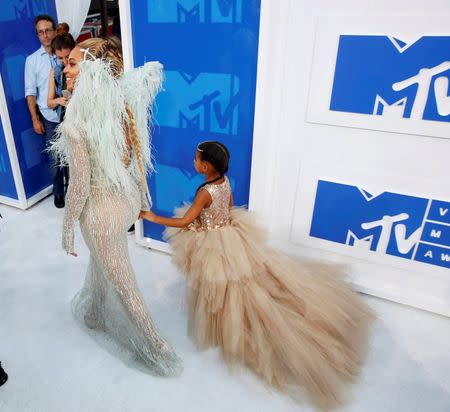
(296, 324)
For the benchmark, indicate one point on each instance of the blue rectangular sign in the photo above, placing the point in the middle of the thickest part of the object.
(389, 223)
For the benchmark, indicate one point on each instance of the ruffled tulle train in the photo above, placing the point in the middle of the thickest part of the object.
(295, 323)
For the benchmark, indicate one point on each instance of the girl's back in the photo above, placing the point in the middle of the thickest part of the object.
(218, 213)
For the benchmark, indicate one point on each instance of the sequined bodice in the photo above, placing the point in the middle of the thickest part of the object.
(218, 213)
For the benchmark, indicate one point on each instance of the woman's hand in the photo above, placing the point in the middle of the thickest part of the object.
(144, 214)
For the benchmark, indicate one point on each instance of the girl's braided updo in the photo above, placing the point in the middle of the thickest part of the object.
(217, 155)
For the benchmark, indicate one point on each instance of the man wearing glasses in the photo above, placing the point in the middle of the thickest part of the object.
(37, 70)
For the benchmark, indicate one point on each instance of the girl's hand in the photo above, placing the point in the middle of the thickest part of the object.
(150, 216)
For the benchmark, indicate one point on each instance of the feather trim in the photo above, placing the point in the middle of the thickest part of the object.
(97, 112)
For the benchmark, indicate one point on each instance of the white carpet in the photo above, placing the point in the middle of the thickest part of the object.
(55, 366)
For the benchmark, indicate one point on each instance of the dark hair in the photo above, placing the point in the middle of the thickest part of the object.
(45, 17)
(62, 28)
(217, 155)
(63, 41)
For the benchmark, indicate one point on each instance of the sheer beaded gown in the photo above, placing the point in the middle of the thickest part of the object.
(106, 201)
(295, 323)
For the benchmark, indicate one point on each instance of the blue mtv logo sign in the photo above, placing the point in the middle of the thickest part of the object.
(204, 102)
(194, 11)
(399, 225)
(22, 9)
(382, 75)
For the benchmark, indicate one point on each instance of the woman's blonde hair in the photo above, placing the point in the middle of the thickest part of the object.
(110, 49)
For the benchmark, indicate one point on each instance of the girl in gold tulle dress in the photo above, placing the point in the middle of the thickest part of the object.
(296, 324)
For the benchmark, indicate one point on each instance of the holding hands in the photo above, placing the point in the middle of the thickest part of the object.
(147, 215)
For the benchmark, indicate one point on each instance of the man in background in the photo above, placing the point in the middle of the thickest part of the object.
(37, 70)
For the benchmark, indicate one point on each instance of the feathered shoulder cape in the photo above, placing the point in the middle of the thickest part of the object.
(97, 113)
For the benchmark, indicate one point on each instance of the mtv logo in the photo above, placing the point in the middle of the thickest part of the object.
(432, 254)
(364, 243)
(434, 246)
(195, 11)
(385, 76)
(188, 16)
(395, 110)
(383, 223)
(205, 102)
(386, 223)
(14, 10)
(439, 212)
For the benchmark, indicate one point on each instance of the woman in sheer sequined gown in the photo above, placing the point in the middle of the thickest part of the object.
(106, 192)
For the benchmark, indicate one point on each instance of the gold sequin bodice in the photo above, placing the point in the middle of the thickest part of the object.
(218, 213)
